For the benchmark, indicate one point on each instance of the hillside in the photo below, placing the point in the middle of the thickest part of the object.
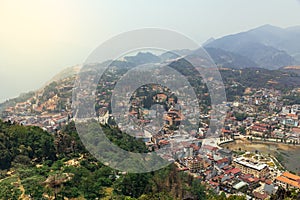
(56, 97)
(65, 77)
(228, 59)
(293, 69)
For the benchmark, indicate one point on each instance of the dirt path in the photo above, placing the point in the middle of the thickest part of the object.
(21, 187)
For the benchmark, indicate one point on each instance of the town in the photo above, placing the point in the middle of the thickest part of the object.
(259, 115)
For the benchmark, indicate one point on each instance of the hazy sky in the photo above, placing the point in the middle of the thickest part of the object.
(39, 38)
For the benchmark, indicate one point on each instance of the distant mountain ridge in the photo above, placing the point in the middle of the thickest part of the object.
(234, 68)
(228, 59)
(266, 47)
(269, 46)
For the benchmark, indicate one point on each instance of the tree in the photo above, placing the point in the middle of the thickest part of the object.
(242, 130)
(198, 190)
(33, 187)
(133, 185)
(5, 158)
(240, 116)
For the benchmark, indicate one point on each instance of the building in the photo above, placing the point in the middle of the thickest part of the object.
(257, 130)
(209, 149)
(239, 186)
(194, 164)
(288, 180)
(225, 153)
(249, 167)
(290, 120)
(173, 117)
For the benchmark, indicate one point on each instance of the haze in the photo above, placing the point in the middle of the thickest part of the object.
(39, 38)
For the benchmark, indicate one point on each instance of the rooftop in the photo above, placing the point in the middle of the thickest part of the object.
(288, 181)
(248, 163)
(240, 185)
(291, 176)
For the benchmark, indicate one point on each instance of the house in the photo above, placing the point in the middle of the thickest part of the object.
(234, 172)
(260, 196)
(225, 153)
(164, 143)
(269, 188)
(222, 162)
(257, 130)
(209, 149)
(290, 120)
(240, 186)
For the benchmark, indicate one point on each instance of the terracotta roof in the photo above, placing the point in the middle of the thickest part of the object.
(213, 183)
(161, 96)
(233, 171)
(223, 160)
(245, 176)
(291, 176)
(227, 167)
(258, 128)
(260, 196)
(288, 181)
(296, 130)
(195, 147)
(251, 179)
(292, 115)
(164, 142)
(268, 181)
(210, 148)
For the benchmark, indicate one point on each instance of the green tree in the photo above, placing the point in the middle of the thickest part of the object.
(133, 185)
(198, 190)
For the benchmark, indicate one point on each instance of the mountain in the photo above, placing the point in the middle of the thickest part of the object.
(269, 46)
(174, 54)
(68, 72)
(228, 59)
(266, 47)
(142, 58)
(208, 41)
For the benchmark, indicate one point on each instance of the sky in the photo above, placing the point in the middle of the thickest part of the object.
(39, 38)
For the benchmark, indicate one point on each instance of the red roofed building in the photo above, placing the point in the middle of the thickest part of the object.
(260, 196)
(163, 142)
(222, 162)
(209, 149)
(258, 130)
(288, 180)
(195, 147)
(234, 171)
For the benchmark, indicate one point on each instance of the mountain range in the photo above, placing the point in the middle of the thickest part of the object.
(268, 46)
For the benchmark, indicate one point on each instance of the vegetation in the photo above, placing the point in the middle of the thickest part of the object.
(240, 116)
(20, 145)
(283, 194)
(37, 164)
